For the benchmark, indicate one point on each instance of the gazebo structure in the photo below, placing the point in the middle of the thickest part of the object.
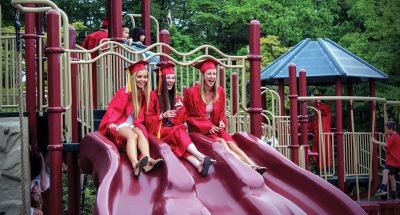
(326, 63)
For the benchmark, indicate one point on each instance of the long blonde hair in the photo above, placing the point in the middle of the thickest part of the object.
(136, 100)
(214, 89)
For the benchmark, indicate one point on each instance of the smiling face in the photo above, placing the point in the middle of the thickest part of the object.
(141, 79)
(210, 77)
(170, 78)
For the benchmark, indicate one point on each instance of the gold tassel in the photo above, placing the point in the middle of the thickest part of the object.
(159, 131)
(159, 82)
(128, 80)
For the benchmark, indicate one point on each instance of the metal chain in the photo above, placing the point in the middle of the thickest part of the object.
(20, 110)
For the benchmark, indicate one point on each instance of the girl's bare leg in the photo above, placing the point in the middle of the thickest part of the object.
(240, 154)
(227, 148)
(195, 162)
(143, 144)
(196, 153)
(131, 144)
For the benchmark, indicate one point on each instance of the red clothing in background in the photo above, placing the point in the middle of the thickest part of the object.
(174, 135)
(196, 113)
(326, 118)
(393, 150)
(92, 41)
(118, 111)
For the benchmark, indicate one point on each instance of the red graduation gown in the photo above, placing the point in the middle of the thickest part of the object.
(118, 111)
(175, 136)
(196, 113)
(92, 41)
(326, 118)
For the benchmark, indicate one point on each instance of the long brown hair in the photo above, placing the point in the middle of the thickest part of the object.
(136, 97)
(167, 98)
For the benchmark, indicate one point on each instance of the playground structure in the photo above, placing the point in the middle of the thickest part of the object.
(77, 109)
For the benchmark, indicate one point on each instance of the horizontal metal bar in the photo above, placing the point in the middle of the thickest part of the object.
(346, 98)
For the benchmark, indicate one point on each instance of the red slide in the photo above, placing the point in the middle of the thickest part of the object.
(308, 191)
(230, 188)
(169, 190)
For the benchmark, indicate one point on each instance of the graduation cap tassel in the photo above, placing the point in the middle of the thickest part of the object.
(159, 82)
(128, 81)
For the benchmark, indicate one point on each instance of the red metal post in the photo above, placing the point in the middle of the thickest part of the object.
(255, 108)
(116, 20)
(72, 157)
(372, 93)
(235, 95)
(39, 32)
(146, 21)
(339, 135)
(281, 93)
(221, 76)
(294, 126)
(349, 93)
(110, 18)
(304, 117)
(30, 38)
(164, 38)
(54, 110)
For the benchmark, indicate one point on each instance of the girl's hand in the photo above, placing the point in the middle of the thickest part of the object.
(215, 129)
(221, 124)
(178, 105)
(112, 126)
(169, 114)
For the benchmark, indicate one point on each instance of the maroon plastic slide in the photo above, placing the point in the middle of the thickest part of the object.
(168, 190)
(308, 191)
(231, 187)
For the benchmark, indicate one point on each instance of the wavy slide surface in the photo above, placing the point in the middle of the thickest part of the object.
(231, 187)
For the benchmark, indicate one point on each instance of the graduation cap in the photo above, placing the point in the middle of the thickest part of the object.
(132, 69)
(164, 68)
(206, 65)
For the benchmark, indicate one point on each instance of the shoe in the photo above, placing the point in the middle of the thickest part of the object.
(260, 169)
(155, 164)
(207, 162)
(381, 192)
(142, 162)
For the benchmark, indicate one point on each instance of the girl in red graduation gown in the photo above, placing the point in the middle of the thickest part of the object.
(205, 111)
(165, 117)
(326, 118)
(124, 118)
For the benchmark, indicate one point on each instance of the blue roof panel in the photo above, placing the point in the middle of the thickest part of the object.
(323, 61)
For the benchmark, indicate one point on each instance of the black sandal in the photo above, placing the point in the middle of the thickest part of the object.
(260, 169)
(142, 162)
(157, 163)
(207, 162)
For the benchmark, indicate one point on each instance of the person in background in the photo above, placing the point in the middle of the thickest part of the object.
(124, 118)
(92, 41)
(125, 34)
(268, 136)
(138, 36)
(39, 184)
(165, 118)
(392, 167)
(326, 122)
(205, 107)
